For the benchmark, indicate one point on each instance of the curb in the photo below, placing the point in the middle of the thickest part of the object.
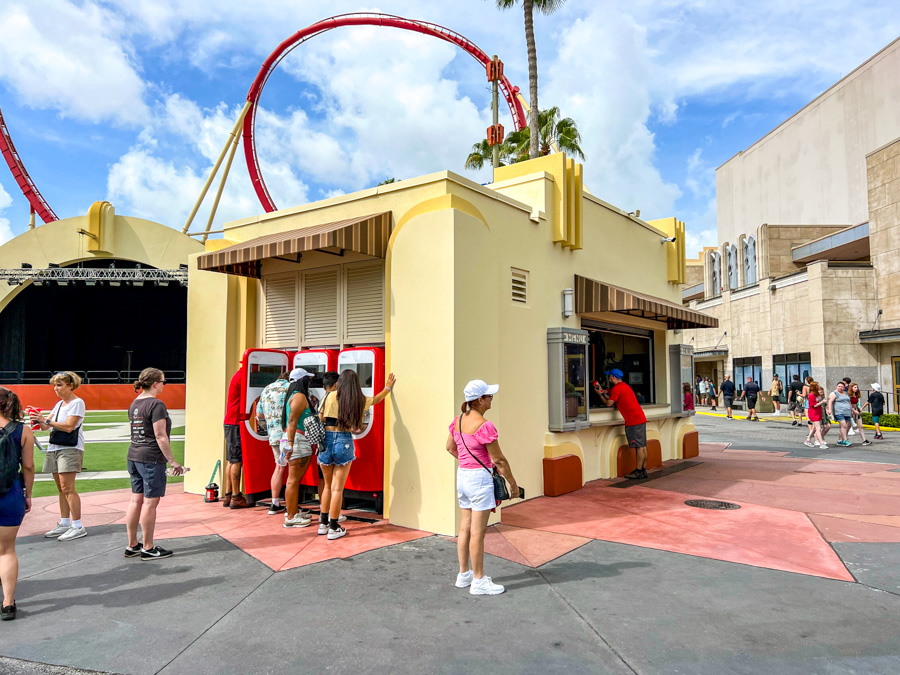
(773, 419)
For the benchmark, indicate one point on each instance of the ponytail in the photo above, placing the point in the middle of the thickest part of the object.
(147, 378)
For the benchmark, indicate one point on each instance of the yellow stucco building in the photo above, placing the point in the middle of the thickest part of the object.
(457, 281)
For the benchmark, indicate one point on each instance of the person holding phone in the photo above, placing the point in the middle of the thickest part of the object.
(473, 442)
(148, 453)
(65, 453)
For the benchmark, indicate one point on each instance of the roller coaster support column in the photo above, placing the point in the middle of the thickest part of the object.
(232, 138)
(215, 206)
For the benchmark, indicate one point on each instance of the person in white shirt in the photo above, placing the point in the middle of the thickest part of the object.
(65, 453)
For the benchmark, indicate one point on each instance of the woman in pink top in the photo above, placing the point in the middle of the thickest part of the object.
(473, 441)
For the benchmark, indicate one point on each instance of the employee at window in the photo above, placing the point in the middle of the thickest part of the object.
(622, 396)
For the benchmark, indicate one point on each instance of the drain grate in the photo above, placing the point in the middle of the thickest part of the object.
(712, 504)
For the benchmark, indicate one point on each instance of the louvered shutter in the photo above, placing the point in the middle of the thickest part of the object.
(281, 311)
(320, 307)
(519, 286)
(364, 303)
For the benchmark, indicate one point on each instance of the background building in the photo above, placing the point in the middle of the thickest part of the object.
(806, 276)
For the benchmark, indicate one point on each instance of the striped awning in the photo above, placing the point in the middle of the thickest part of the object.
(594, 296)
(368, 235)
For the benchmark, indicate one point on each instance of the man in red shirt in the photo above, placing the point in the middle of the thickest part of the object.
(622, 396)
(233, 454)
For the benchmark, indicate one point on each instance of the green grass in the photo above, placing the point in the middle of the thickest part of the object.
(178, 431)
(47, 488)
(110, 456)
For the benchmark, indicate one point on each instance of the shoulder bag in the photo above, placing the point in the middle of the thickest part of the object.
(501, 491)
(66, 439)
(314, 428)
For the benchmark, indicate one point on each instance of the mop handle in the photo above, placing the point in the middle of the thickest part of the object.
(215, 470)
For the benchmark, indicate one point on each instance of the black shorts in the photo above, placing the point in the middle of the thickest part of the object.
(233, 443)
(751, 402)
(636, 435)
(796, 405)
(147, 479)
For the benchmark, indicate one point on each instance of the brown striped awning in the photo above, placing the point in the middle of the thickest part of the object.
(595, 296)
(368, 235)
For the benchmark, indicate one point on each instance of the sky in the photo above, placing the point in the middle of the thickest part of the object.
(131, 101)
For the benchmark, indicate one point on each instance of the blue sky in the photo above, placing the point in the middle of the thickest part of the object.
(131, 101)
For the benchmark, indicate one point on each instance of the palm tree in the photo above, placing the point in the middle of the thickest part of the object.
(481, 154)
(563, 133)
(545, 7)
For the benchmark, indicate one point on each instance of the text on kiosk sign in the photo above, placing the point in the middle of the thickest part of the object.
(577, 338)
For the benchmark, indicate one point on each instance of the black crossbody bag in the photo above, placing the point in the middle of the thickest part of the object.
(501, 491)
(67, 439)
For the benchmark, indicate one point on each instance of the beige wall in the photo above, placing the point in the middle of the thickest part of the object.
(812, 168)
(775, 244)
(884, 229)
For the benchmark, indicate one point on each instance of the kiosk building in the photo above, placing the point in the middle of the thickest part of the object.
(531, 282)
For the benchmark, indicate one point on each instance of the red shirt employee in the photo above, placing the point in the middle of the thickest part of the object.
(233, 452)
(622, 396)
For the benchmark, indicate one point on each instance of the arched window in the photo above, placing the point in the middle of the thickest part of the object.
(715, 274)
(732, 262)
(750, 260)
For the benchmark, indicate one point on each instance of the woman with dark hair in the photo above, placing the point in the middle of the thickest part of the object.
(343, 413)
(473, 441)
(688, 397)
(16, 480)
(148, 453)
(65, 453)
(295, 448)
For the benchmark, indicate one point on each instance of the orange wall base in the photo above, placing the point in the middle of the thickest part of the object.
(96, 396)
(562, 475)
(626, 462)
(690, 445)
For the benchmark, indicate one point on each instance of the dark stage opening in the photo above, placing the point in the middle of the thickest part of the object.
(92, 329)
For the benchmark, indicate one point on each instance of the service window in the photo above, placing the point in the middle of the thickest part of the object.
(632, 353)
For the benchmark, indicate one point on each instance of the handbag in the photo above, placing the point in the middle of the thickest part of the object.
(66, 439)
(314, 429)
(501, 491)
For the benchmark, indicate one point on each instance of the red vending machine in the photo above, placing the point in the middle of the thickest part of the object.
(317, 362)
(366, 478)
(259, 368)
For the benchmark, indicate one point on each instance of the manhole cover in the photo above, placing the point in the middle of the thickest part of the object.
(712, 504)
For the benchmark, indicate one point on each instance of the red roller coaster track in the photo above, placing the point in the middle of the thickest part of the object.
(370, 19)
(38, 204)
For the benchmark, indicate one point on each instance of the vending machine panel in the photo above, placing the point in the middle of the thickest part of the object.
(260, 367)
(367, 473)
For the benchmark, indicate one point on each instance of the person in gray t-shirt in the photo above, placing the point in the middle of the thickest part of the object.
(840, 409)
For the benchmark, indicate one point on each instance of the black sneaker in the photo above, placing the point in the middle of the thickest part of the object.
(8, 612)
(637, 474)
(276, 509)
(155, 553)
(867, 442)
(644, 471)
(133, 551)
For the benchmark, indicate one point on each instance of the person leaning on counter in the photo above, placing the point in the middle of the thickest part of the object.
(622, 396)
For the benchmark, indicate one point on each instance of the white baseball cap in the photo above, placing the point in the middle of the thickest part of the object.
(876, 386)
(298, 374)
(478, 388)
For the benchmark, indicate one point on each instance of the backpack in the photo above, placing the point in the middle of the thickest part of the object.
(9, 457)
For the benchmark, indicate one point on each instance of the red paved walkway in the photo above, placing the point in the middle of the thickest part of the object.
(791, 510)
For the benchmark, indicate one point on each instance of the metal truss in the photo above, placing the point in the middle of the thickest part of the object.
(91, 276)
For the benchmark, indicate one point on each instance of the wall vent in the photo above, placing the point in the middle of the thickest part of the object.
(519, 286)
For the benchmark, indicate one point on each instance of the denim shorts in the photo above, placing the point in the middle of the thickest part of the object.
(842, 418)
(147, 479)
(339, 449)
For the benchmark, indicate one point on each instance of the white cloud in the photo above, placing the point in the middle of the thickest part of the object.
(602, 80)
(6, 232)
(67, 57)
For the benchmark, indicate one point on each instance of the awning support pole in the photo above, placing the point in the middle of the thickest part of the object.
(232, 138)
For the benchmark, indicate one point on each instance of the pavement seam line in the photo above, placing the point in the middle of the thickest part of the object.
(590, 626)
(69, 562)
(216, 622)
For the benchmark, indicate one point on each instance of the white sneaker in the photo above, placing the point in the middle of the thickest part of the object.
(464, 580)
(823, 446)
(852, 432)
(297, 521)
(336, 534)
(484, 586)
(342, 518)
(807, 444)
(57, 531)
(72, 533)
(323, 528)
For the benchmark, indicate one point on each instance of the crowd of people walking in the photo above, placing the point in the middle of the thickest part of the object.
(842, 407)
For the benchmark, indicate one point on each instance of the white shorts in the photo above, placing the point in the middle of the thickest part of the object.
(475, 489)
(276, 451)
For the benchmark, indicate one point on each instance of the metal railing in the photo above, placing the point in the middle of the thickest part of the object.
(87, 377)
